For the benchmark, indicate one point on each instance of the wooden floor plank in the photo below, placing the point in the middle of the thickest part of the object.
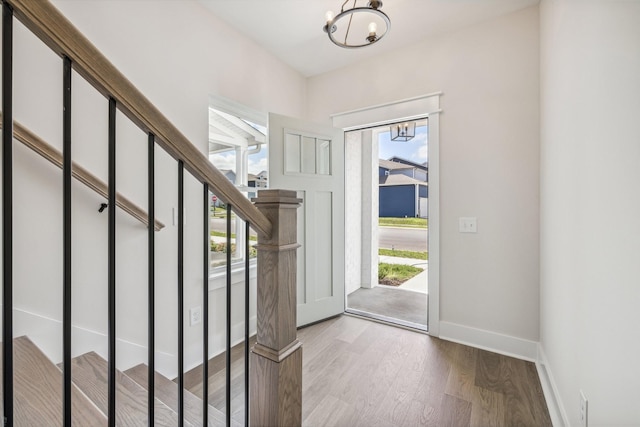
(89, 373)
(488, 408)
(518, 381)
(462, 375)
(351, 385)
(316, 387)
(404, 386)
(435, 374)
(455, 412)
(421, 414)
(330, 411)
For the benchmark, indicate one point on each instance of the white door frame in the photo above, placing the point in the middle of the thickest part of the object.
(402, 110)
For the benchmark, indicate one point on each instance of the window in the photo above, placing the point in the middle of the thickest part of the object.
(237, 147)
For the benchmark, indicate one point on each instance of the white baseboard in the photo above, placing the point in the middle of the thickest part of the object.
(491, 341)
(552, 396)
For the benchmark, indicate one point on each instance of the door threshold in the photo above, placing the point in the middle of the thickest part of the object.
(416, 327)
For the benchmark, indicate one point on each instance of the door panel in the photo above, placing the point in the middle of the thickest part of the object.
(309, 158)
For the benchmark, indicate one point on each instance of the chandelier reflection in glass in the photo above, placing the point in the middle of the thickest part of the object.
(369, 25)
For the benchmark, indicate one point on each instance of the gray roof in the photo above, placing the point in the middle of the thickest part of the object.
(422, 166)
(388, 164)
(398, 179)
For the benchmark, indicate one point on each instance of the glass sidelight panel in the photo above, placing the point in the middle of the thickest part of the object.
(292, 153)
(308, 152)
(323, 157)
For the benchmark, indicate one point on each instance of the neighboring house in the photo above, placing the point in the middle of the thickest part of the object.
(231, 175)
(416, 170)
(262, 180)
(400, 193)
(257, 181)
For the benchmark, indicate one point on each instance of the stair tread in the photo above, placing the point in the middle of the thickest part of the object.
(217, 381)
(90, 374)
(38, 391)
(167, 391)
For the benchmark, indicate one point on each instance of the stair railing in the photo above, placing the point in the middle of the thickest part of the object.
(45, 150)
(273, 391)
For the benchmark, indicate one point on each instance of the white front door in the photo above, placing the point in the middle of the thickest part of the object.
(309, 158)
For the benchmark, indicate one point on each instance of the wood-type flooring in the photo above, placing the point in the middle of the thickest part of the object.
(355, 373)
(361, 373)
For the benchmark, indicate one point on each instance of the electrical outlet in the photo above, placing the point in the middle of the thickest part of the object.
(195, 316)
(584, 407)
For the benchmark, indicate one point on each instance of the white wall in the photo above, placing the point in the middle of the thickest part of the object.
(590, 204)
(177, 70)
(489, 74)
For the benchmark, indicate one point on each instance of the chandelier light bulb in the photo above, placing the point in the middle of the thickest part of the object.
(373, 27)
(403, 132)
(329, 16)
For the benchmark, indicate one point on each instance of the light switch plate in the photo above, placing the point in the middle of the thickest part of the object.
(468, 225)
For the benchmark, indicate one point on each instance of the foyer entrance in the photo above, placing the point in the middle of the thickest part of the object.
(387, 223)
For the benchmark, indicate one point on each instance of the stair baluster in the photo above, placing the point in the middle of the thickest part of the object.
(205, 304)
(111, 329)
(228, 331)
(151, 322)
(7, 212)
(67, 163)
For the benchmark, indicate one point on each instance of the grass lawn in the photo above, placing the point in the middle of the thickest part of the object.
(396, 274)
(404, 254)
(404, 222)
(233, 235)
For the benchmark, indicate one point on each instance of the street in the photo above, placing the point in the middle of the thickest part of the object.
(220, 224)
(408, 239)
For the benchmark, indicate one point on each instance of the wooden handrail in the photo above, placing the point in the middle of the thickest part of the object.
(35, 143)
(53, 28)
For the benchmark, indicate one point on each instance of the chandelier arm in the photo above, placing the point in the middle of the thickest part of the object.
(346, 35)
(345, 2)
(350, 19)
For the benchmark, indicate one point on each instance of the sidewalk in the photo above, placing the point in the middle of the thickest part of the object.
(418, 263)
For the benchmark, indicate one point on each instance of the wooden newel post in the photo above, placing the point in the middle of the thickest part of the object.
(276, 359)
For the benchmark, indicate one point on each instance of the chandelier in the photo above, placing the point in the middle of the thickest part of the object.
(403, 132)
(369, 17)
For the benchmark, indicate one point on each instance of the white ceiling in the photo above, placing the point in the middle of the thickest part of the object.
(292, 29)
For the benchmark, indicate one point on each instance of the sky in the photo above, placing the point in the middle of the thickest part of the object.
(227, 160)
(414, 150)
